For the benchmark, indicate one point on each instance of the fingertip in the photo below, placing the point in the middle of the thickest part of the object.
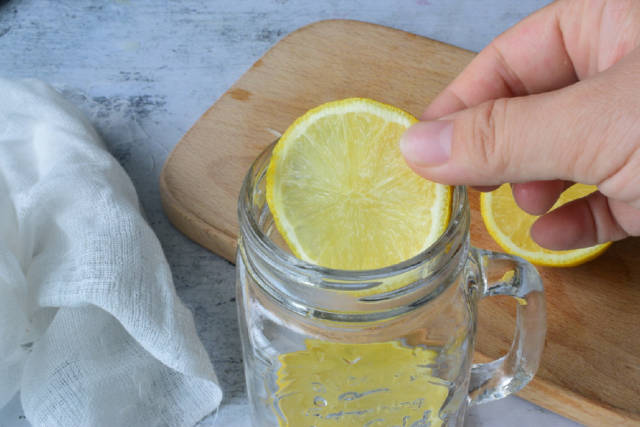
(578, 224)
(537, 197)
(427, 144)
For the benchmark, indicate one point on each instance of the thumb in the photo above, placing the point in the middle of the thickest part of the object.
(555, 135)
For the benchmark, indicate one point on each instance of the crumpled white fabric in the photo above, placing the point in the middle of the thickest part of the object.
(91, 329)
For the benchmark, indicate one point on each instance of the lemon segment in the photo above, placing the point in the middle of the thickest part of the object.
(341, 193)
(509, 226)
(351, 385)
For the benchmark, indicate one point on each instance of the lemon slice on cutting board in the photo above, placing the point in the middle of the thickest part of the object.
(509, 226)
(341, 193)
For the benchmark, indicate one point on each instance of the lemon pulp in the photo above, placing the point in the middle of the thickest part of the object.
(341, 194)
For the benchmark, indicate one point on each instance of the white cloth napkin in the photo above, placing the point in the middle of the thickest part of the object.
(91, 329)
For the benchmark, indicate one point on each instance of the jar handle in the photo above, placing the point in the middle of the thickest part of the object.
(502, 274)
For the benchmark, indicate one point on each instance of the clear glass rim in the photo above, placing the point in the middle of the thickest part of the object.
(283, 260)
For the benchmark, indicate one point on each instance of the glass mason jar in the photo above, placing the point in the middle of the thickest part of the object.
(385, 347)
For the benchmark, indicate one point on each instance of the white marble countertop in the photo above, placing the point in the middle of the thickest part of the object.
(145, 70)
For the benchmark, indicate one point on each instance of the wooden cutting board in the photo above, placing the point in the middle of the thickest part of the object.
(590, 370)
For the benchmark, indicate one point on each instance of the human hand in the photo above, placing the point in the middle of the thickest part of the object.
(552, 101)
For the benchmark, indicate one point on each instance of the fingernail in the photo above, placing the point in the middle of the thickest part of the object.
(427, 143)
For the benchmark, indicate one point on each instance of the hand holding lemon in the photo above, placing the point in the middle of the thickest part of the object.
(552, 101)
(342, 197)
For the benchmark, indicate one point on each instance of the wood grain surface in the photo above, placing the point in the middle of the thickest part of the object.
(590, 370)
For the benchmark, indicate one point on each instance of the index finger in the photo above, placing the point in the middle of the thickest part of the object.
(528, 58)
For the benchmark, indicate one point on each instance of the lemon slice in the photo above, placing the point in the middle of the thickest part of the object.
(509, 226)
(341, 194)
(353, 385)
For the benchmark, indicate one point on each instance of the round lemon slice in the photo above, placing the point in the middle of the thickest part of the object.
(341, 193)
(509, 226)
